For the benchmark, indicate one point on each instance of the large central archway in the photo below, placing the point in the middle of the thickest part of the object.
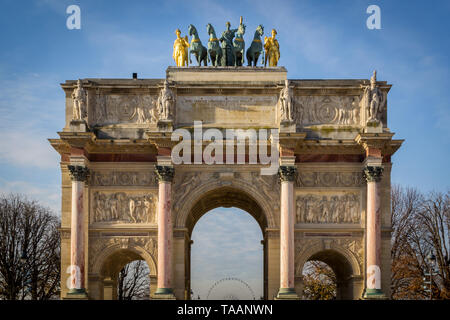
(213, 196)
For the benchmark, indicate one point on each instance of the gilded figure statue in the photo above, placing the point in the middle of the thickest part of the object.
(272, 49)
(180, 50)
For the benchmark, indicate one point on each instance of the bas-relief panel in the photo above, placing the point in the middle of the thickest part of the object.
(333, 110)
(251, 110)
(124, 109)
(123, 207)
(328, 208)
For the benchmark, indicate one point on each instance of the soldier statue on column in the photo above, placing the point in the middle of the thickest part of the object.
(373, 100)
(79, 101)
(286, 103)
(166, 102)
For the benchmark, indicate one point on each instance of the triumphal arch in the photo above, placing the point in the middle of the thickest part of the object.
(143, 159)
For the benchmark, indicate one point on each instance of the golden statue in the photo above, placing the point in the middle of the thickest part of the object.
(272, 50)
(180, 50)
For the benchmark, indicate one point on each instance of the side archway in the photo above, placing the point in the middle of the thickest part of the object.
(109, 262)
(342, 261)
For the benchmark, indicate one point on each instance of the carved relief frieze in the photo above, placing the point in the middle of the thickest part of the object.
(318, 208)
(123, 178)
(335, 110)
(122, 207)
(329, 179)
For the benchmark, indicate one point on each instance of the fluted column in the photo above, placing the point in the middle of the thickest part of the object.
(165, 232)
(287, 176)
(78, 175)
(373, 232)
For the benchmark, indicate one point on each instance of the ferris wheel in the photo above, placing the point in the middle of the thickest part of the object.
(220, 291)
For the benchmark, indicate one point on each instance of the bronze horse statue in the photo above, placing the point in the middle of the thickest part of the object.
(214, 49)
(256, 48)
(196, 47)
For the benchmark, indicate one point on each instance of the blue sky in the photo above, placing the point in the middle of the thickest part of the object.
(318, 39)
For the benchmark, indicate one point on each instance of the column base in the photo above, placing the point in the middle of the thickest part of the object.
(76, 294)
(164, 294)
(287, 294)
(374, 294)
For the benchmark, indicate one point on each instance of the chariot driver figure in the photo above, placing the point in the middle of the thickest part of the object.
(272, 49)
(180, 50)
(226, 40)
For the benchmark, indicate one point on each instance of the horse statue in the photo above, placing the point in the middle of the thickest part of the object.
(214, 49)
(196, 47)
(239, 45)
(256, 48)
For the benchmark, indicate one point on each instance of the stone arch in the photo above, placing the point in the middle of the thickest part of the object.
(315, 249)
(235, 193)
(137, 251)
(343, 262)
(110, 260)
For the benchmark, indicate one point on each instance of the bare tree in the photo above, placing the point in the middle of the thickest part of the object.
(420, 227)
(134, 281)
(29, 250)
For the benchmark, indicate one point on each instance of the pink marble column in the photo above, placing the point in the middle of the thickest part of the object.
(77, 230)
(287, 176)
(165, 232)
(373, 231)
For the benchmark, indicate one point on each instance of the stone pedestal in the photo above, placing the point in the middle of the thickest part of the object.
(165, 233)
(78, 126)
(287, 290)
(77, 263)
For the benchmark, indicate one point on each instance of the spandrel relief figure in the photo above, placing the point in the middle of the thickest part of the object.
(166, 102)
(79, 97)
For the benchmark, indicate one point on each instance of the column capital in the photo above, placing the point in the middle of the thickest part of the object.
(287, 173)
(373, 173)
(78, 173)
(164, 173)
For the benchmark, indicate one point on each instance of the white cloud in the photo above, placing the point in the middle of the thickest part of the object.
(48, 195)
